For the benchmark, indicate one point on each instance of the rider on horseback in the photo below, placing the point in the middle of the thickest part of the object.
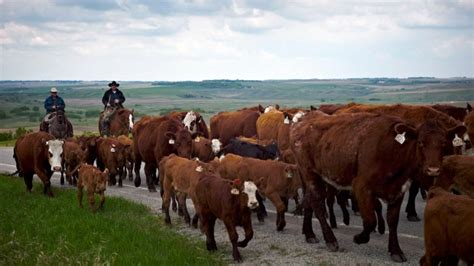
(112, 100)
(53, 103)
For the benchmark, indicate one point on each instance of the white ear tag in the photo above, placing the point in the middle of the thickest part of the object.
(286, 121)
(457, 141)
(400, 138)
(234, 191)
(112, 149)
(289, 175)
(199, 169)
(171, 141)
(197, 139)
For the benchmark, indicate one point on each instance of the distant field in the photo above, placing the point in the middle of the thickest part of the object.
(22, 101)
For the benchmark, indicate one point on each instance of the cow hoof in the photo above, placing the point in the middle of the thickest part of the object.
(138, 182)
(332, 246)
(356, 213)
(312, 240)
(361, 239)
(398, 258)
(151, 189)
(242, 244)
(413, 218)
(211, 247)
(120, 185)
(346, 220)
(168, 221)
(381, 228)
(130, 178)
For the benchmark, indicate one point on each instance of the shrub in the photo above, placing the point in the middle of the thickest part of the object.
(21, 109)
(3, 115)
(92, 113)
(35, 108)
(6, 136)
(22, 131)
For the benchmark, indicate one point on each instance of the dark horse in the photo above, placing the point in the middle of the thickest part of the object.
(121, 122)
(57, 125)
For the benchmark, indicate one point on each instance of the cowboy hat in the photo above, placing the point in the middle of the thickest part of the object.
(113, 83)
(53, 89)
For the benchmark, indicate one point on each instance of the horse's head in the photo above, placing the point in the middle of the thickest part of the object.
(126, 115)
(60, 117)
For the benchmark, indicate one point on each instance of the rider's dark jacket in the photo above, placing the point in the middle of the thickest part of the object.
(110, 97)
(54, 101)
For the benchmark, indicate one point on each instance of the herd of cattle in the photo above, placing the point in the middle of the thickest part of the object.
(376, 152)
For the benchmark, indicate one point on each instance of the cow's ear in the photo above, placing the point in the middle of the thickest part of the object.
(457, 131)
(277, 106)
(132, 111)
(312, 108)
(195, 135)
(287, 118)
(261, 109)
(106, 171)
(406, 130)
(469, 108)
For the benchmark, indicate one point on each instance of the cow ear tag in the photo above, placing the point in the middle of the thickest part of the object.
(289, 175)
(197, 139)
(199, 169)
(400, 138)
(234, 191)
(457, 141)
(112, 149)
(171, 141)
(286, 121)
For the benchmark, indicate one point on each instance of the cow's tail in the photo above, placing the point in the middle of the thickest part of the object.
(16, 162)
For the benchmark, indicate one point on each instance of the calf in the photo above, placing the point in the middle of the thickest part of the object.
(94, 181)
(88, 144)
(448, 228)
(179, 175)
(205, 149)
(129, 155)
(277, 181)
(457, 175)
(111, 155)
(230, 201)
(74, 156)
(246, 149)
(38, 153)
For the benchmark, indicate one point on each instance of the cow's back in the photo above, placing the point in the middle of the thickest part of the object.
(268, 124)
(227, 125)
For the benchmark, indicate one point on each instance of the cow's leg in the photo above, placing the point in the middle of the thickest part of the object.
(45, 177)
(317, 191)
(102, 199)
(112, 177)
(261, 210)
(308, 197)
(166, 205)
(280, 209)
(380, 220)
(393, 213)
(342, 199)
(28, 181)
(247, 225)
(91, 199)
(330, 199)
(63, 169)
(410, 209)
(120, 174)
(233, 237)
(208, 221)
(182, 204)
(130, 170)
(299, 207)
(138, 162)
(79, 194)
(354, 205)
(366, 201)
(149, 172)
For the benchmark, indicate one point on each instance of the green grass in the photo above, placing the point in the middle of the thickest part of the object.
(35, 229)
(7, 143)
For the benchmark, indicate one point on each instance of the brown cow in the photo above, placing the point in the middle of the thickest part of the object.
(88, 144)
(469, 122)
(414, 115)
(193, 121)
(156, 138)
(349, 151)
(111, 155)
(129, 155)
(228, 125)
(73, 157)
(230, 202)
(277, 181)
(448, 228)
(94, 181)
(38, 153)
(203, 149)
(180, 175)
(458, 113)
(457, 175)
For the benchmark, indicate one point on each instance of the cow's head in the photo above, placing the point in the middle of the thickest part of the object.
(247, 191)
(272, 151)
(271, 108)
(101, 180)
(182, 142)
(432, 142)
(55, 153)
(190, 120)
(469, 122)
(297, 117)
(119, 151)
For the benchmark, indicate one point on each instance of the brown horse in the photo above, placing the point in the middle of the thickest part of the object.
(121, 122)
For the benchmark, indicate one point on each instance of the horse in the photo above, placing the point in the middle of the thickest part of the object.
(57, 125)
(121, 122)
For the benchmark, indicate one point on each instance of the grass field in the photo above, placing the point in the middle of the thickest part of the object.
(37, 230)
(22, 101)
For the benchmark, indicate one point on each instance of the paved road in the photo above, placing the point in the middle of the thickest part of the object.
(269, 247)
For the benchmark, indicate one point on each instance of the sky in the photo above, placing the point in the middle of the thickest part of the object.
(234, 39)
